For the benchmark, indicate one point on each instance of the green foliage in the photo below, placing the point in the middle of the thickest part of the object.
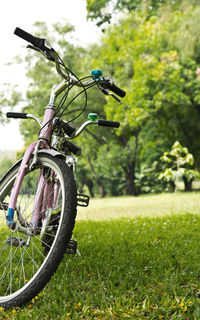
(178, 155)
(42, 74)
(147, 179)
(161, 79)
(5, 165)
(154, 56)
(103, 11)
(180, 164)
(9, 97)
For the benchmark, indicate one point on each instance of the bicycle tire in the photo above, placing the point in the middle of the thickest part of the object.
(26, 268)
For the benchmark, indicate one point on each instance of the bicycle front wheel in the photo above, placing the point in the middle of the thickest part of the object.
(28, 260)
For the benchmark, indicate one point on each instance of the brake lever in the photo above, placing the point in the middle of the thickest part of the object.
(115, 97)
(107, 92)
(45, 53)
(33, 47)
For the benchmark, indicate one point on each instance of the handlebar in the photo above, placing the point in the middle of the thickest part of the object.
(106, 123)
(35, 41)
(103, 123)
(39, 44)
(43, 46)
(16, 115)
(68, 128)
(108, 84)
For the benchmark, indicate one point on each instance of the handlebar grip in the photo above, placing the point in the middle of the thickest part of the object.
(74, 148)
(37, 42)
(105, 123)
(121, 93)
(16, 115)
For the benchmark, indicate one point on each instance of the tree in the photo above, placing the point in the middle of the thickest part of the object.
(161, 80)
(144, 55)
(180, 165)
(103, 11)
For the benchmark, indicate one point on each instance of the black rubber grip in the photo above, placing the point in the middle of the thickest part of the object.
(105, 123)
(69, 129)
(37, 42)
(16, 115)
(121, 93)
(74, 148)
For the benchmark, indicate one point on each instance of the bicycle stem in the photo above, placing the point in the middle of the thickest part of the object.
(59, 88)
(71, 79)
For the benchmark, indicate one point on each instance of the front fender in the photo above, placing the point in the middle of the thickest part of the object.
(52, 152)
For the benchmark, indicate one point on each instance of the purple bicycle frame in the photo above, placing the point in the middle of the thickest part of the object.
(41, 189)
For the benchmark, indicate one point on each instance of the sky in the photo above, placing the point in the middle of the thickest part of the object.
(24, 14)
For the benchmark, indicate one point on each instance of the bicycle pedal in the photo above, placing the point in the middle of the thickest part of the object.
(82, 200)
(71, 247)
(16, 242)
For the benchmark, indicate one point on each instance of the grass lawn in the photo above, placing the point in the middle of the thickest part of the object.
(143, 206)
(140, 259)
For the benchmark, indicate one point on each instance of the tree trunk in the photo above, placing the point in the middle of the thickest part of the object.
(100, 186)
(172, 186)
(187, 183)
(130, 180)
(89, 184)
(80, 188)
(130, 172)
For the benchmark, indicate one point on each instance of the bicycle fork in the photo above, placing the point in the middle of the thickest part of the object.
(17, 184)
(32, 148)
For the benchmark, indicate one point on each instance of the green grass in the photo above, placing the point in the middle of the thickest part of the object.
(143, 206)
(140, 259)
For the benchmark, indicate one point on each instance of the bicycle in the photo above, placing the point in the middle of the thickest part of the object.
(38, 195)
